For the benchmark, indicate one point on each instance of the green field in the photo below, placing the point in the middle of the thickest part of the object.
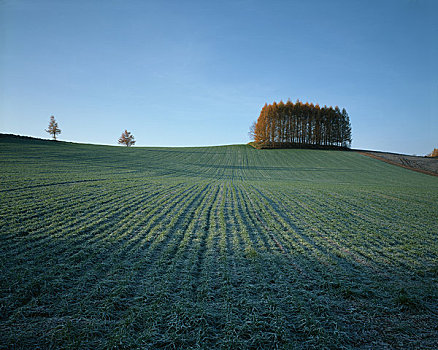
(217, 247)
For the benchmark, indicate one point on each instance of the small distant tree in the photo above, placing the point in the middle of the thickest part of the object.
(53, 128)
(127, 139)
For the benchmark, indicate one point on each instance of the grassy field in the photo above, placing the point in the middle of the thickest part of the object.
(217, 247)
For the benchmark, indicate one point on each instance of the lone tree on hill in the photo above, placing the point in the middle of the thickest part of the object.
(127, 139)
(53, 127)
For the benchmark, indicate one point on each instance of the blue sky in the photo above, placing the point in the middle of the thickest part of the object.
(179, 73)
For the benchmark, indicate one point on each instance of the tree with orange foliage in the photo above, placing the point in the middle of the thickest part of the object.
(53, 128)
(127, 139)
(288, 124)
(434, 153)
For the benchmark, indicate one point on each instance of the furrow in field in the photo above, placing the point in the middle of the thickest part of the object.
(86, 225)
(53, 226)
(257, 210)
(216, 224)
(57, 205)
(104, 273)
(185, 256)
(365, 220)
(30, 206)
(345, 237)
(334, 236)
(169, 276)
(391, 223)
(86, 255)
(148, 228)
(137, 219)
(231, 243)
(155, 223)
(322, 241)
(206, 261)
(248, 222)
(233, 246)
(164, 246)
(51, 184)
(202, 231)
(286, 223)
(224, 242)
(235, 238)
(155, 274)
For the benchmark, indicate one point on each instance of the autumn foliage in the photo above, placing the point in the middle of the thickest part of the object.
(298, 124)
(127, 139)
(434, 153)
(53, 128)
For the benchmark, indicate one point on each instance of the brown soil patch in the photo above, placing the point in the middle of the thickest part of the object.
(423, 165)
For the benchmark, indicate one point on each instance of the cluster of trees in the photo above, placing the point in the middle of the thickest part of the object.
(302, 124)
(434, 153)
(126, 139)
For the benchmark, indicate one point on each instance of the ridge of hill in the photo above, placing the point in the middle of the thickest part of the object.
(236, 162)
(421, 164)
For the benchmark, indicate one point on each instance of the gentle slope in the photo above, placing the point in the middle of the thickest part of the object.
(214, 247)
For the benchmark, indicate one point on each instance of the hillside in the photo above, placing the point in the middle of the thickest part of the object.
(214, 247)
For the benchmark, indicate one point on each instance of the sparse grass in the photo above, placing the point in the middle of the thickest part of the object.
(217, 247)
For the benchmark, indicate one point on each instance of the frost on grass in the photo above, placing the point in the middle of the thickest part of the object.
(219, 247)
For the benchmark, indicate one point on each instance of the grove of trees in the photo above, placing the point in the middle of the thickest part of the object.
(302, 124)
(434, 153)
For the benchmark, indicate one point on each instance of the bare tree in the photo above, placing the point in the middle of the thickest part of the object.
(127, 139)
(53, 127)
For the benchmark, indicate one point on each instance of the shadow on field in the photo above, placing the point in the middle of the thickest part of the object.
(102, 295)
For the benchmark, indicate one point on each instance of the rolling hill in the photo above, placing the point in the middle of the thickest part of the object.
(214, 247)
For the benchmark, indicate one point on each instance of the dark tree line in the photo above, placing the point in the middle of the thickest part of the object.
(302, 124)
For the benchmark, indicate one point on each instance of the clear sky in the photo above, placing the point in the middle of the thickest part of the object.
(179, 73)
